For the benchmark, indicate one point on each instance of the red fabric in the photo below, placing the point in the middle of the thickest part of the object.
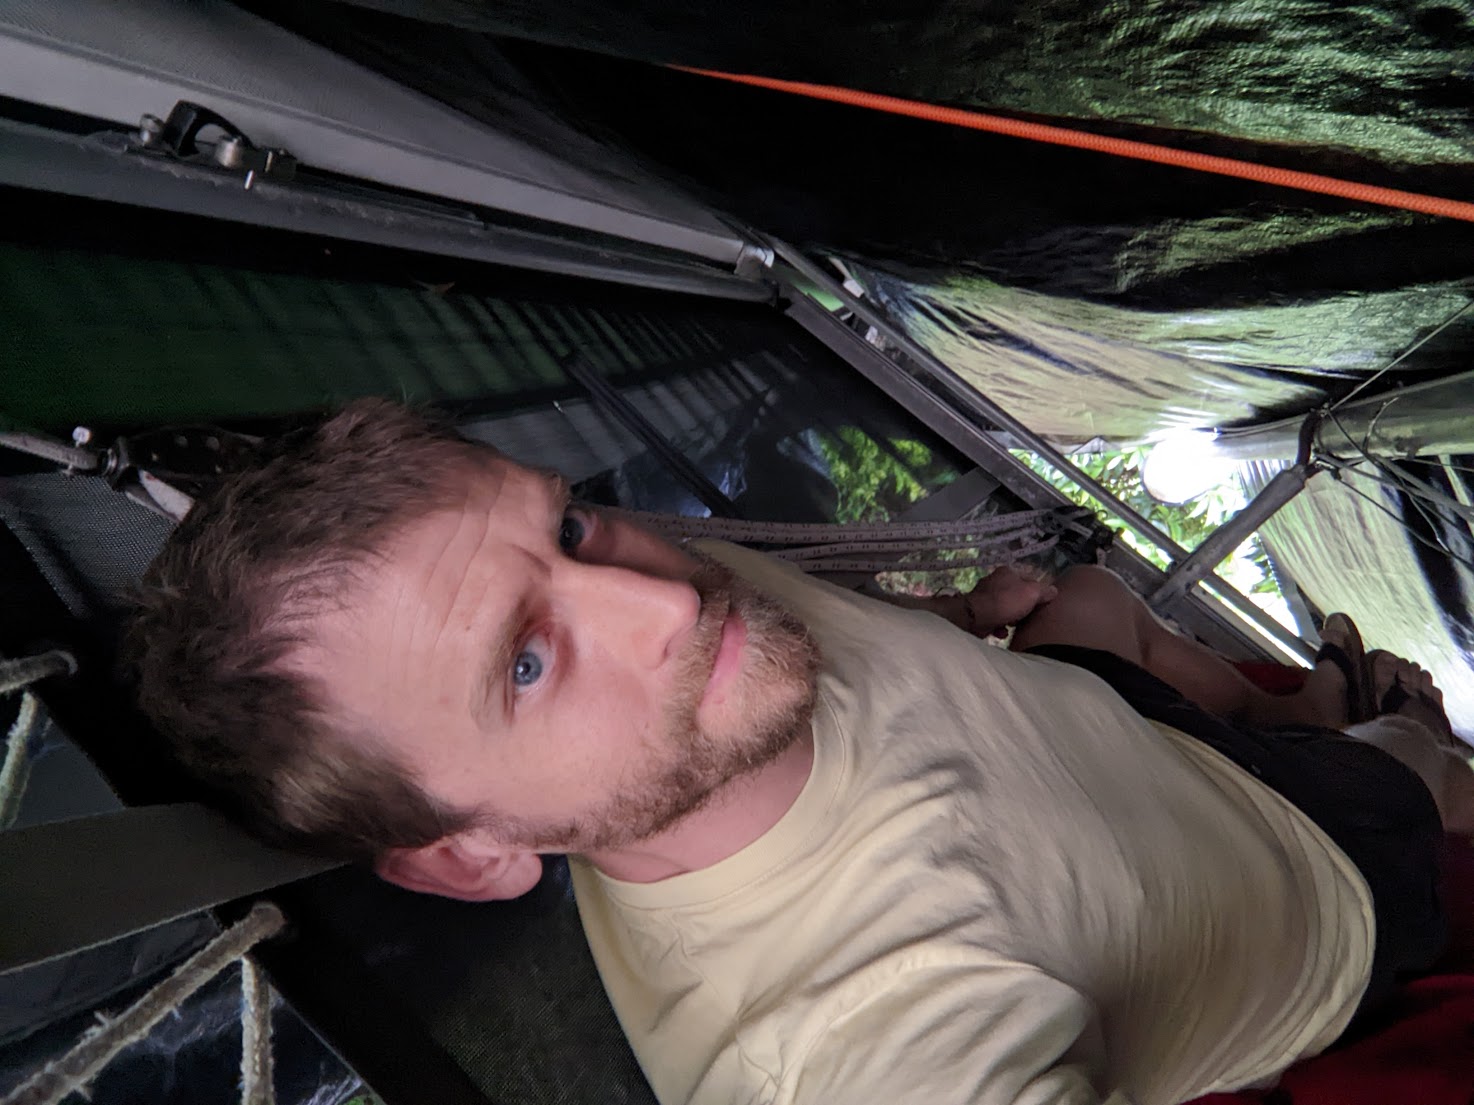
(1272, 677)
(1424, 1052)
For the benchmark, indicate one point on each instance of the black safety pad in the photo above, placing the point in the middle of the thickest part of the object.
(76, 884)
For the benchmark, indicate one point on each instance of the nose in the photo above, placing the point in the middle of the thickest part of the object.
(638, 617)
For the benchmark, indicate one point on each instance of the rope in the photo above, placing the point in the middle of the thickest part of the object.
(19, 747)
(992, 558)
(25, 733)
(16, 674)
(101, 1044)
(805, 533)
(1409, 351)
(821, 547)
(1099, 143)
(257, 1084)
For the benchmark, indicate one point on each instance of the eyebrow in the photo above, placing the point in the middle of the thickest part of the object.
(560, 494)
(487, 700)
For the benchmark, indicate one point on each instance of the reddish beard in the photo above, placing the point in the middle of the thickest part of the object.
(769, 703)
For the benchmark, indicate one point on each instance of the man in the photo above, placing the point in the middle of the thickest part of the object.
(825, 848)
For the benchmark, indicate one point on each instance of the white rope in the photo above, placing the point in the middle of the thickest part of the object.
(25, 733)
(99, 1045)
(17, 767)
(257, 1084)
(16, 675)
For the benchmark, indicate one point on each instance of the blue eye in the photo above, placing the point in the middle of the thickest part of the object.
(527, 669)
(571, 533)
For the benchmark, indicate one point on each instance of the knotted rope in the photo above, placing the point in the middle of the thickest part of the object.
(24, 738)
(70, 1073)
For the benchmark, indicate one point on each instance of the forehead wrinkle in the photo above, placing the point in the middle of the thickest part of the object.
(556, 490)
(421, 598)
(461, 569)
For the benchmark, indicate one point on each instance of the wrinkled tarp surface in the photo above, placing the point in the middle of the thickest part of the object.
(1089, 295)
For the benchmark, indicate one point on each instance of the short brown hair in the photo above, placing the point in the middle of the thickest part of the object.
(231, 596)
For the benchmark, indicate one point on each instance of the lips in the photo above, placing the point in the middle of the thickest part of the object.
(728, 659)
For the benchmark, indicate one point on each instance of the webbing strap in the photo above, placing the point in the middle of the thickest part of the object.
(75, 884)
(885, 546)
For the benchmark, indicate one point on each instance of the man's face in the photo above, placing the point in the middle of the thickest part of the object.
(579, 682)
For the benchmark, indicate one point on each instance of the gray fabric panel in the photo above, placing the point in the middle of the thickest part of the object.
(508, 989)
(119, 62)
(90, 542)
(76, 884)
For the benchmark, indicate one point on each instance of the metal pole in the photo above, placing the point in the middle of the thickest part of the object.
(1223, 540)
(100, 167)
(1419, 420)
(942, 415)
(48, 448)
(978, 402)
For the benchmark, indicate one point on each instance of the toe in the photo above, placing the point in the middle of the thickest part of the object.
(1336, 630)
(1386, 669)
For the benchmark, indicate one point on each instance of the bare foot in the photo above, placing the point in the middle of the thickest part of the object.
(1447, 773)
(1421, 699)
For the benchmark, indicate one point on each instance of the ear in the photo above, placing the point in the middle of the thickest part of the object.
(463, 866)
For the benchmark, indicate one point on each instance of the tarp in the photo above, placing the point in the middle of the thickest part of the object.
(119, 63)
(1089, 295)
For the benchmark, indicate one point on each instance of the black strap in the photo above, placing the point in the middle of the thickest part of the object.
(75, 884)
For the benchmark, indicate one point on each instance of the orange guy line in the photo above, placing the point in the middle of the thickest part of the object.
(1120, 147)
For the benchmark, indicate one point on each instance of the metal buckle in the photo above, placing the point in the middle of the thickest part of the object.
(178, 136)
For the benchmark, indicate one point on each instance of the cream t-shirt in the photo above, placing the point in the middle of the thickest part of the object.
(999, 885)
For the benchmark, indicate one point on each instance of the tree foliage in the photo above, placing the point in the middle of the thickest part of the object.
(874, 480)
(1188, 524)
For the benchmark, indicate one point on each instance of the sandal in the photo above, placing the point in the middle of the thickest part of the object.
(1352, 662)
(1397, 696)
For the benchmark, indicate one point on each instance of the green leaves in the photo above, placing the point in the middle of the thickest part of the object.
(874, 481)
(1247, 567)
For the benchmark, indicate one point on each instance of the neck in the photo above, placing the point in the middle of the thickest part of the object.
(735, 816)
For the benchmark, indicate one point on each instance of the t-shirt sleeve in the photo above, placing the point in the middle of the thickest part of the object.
(961, 1034)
